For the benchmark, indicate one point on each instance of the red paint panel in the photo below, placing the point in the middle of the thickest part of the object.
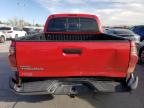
(109, 59)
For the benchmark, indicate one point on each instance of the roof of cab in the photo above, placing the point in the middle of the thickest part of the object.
(73, 15)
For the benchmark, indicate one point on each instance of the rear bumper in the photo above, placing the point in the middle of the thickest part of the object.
(71, 86)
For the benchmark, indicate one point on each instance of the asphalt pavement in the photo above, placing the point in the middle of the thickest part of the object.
(8, 99)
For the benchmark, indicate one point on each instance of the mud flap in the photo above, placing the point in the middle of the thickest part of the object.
(132, 83)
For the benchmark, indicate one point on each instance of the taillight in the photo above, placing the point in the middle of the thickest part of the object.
(12, 48)
(12, 56)
(133, 58)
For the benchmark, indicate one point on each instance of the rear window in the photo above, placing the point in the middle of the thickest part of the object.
(73, 25)
(126, 32)
(87, 25)
(5, 28)
(57, 24)
(28, 29)
(17, 29)
(139, 30)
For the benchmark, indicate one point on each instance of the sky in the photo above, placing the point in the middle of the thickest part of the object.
(110, 12)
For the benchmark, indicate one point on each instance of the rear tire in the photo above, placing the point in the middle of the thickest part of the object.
(2, 39)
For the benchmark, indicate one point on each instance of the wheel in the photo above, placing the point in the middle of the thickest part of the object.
(2, 39)
(141, 55)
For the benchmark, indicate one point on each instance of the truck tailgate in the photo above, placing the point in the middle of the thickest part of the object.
(68, 59)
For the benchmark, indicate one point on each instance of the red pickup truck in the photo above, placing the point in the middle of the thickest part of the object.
(72, 56)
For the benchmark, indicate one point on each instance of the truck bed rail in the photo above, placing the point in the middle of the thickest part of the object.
(69, 37)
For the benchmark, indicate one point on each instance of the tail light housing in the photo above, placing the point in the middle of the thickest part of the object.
(12, 56)
(133, 58)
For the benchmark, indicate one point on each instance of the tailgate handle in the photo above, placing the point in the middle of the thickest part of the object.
(72, 51)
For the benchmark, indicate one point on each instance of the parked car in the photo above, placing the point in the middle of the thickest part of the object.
(141, 52)
(39, 30)
(139, 30)
(29, 31)
(72, 56)
(126, 33)
(2, 37)
(13, 32)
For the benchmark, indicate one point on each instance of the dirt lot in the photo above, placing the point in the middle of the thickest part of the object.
(113, 100)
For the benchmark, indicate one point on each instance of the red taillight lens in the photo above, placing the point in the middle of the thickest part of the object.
(12, 56)
(133, 58)
(11, 50)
